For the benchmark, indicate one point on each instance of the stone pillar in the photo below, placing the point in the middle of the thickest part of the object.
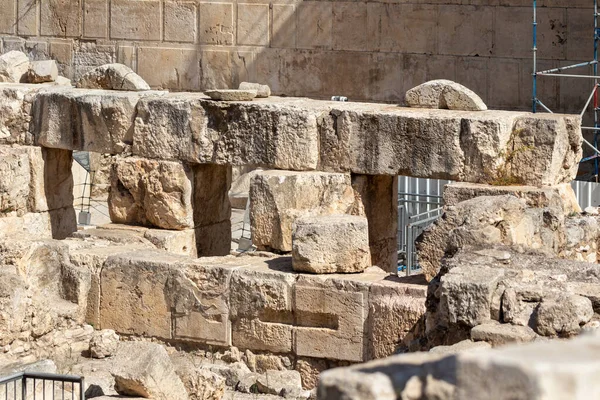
(212, 210)
(58, 191)
(379, 194)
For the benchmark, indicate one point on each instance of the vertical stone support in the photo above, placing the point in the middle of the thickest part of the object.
(379, 194)
(212, 210)
(57, 192)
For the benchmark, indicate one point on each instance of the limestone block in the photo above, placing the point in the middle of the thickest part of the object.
(466, 294)
(112, 77)
(199, 300)
(42, 71)
(13, 66)
(151, 193)
(51, 186)
(212, 209)
(15, 107)
(201, 383)
(443, 93)
(563, 315)
(320, 335)
(231, 94)
(460, 347)
(261, 90)
(379, 197)
(176, 242)
(145, 310)
(581, 233)
(262, 336)
(278, 198)
(501, 334)
(16, 175)
(144, 369)
(330, 243)
(190, 128)
(89, 120)
(561, 196)
(104, 344)
(274, 382)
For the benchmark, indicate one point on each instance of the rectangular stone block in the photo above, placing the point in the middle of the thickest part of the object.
(169, 68)
(350, 29)
(8, 18)
(135, 20)
(180, 22)
(151, 193)
(256, 335)
(95, 19)
(60, 18)
(134, 293)
(331, 323)
(216, 23)
(253, 24)
(314, 25)
(456, 37)
(76, 119)
(284, 26)
(215, 330)
(27, 17)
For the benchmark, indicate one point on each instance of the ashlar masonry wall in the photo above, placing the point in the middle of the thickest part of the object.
(372, 50)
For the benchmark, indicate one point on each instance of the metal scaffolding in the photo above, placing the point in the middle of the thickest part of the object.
(558, 72)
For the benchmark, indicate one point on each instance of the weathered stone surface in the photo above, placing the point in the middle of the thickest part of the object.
(13, 66)
(151, 193)
(104, 343)
(144, 369)
(379, 197)
(42, 71)
(200, 383)
(330, 243)
(443, 93)
(16, 176)
(275, 382)
(278, 198)
(560, 196)
(112, 77)
(460, 347)
(89, 120)
(190, 128)
(500, 334)
(563, 315)
(261, 90)
(176, 242)
(15, 108)
(232, 94)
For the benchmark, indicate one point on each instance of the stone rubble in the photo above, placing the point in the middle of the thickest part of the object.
(13, 66)
(232, 94)
(262, 91)
(42, 71)
(443, 93)
(112, 77)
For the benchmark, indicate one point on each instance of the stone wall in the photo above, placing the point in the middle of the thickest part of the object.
(364, 50)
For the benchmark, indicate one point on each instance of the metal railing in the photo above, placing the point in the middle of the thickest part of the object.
(41, 386)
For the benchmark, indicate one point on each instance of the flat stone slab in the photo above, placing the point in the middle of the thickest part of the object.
(231, 94)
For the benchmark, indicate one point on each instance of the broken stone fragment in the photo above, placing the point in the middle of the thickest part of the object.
(261, 90)
(112, 77)
(563, 316)
(62, 81)
(500, 334)
(330, 244)
(275, 382)
(42, 71)
(13, 66)
(104, 343)
(231, 94)
(442, 93)
(144, 369)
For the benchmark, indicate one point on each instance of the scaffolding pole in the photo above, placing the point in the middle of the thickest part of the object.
(558, 72)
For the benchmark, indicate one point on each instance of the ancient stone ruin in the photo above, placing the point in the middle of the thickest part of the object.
(156, 305)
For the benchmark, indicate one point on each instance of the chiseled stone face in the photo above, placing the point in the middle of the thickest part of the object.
(278, 198)
(151, 193)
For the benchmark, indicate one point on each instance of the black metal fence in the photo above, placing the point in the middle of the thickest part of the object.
(41, 386)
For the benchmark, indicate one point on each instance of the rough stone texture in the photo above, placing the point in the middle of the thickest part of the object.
(501, 334)
(518, 372)
(379, 197)
(15, 108)
(563, 315)
(460, 347)
(278, 198)
(104, 344)
(189, 128)
(144, 369)
(276, 382)
(330, 243)
(112, 77)
(42, 71)
(491, 220)
(89, 120)
(151, 193)
(232, 94)
(443, 93)
(200, 383)
(14, 186)
(13, 66)
(262, 91)
(559, 196)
